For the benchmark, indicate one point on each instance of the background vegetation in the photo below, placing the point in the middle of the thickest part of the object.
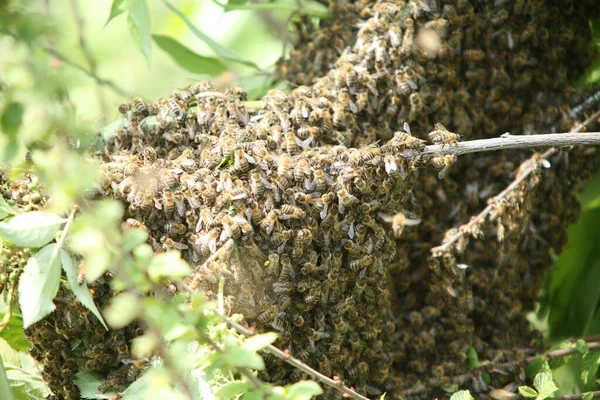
(66, 67)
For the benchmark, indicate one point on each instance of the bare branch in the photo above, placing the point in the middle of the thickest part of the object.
(595, 395)
(523, 172)
(317, 376)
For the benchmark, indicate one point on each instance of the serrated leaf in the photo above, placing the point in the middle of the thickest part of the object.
(544, 384)
(117, 8)
(221, 51)
(81, 292)
(138, 389)
(462, 395)
(121, 310)
(581, 346)
(259, 342)
(168, 265)
(5, 392)
(11, 119)
(14, 335)
(39, 284)
(188, 59)
(32, 229)
(588, 396)
(589, 366)
(541, 379)
(138, 19)
(303, 390)
(88, 384)
(232, 389)
(526, 391)
(239, 357)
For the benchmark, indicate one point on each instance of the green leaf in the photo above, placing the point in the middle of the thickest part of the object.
(88, 384)
(462, 395)
(11, 119)
(232, 389)
(121, 310)
(139, 26)
(259, 342)
(581, 346)
(239, 357)
(589, 366)
(117, 8)
(303, 390)
(187, 59)
(6, 209)
(80, 291)
(310, 9)
(5, 392)
(14, 335)
(38, 284)
(138, 389)
(168, 265)
(588, 396)
(221, 51)
(133, 238)
(526, 391)
(8, 354)
(544, 384)
(472, 358)
(32, 229)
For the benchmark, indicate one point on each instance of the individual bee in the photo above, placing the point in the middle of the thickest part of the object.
(280, 180)
(268, 315)
(399, 221)
(346, 199)
(173, 228)
(473, 55)
(301, 241)
(360, 263)
(146, 201)
(339, 115)
(175, 107)
(287, 270)
(442, 136)
(291, 212)
(408, 38)
(138, 106)
(439, 24)
(272, 265)
(268, 222)
(391, 167)
(404, 85)
(232, 227)
(179, 200)
(242, 161)
(291, 143)
(169, 244)
(81, 272)
(109, 384)
(416, 106)
(443, 163)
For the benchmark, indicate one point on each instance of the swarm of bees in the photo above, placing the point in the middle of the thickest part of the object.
(299, 205)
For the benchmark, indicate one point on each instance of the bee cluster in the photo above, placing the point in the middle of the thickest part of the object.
(298, 207)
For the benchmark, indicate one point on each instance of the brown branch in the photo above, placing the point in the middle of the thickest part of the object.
(523, 172)
(88, 55)
(317, 376)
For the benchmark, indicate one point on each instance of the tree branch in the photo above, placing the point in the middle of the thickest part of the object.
(317, 376)
(524, 171)
(595, 395)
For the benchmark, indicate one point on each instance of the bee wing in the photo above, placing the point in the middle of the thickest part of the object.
(305, 143)
(439, 126)
(407, 128)
(249, 158)
(385, 217)
(323, 212)
(351, 231)
(412, 221)
(180, 246)
(239, 219)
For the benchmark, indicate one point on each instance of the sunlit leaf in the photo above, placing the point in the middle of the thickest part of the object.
(472, 358)
(80, 291)
(8, 354)
(14, 335)
(581, 346)
(168, 265)
(259, 342)
(5, 392)
(32, 229)
(526, 391)
(121, 310)
(88, 384)
(239, 357)
(117, 8)
(38, 285)
(139, 26)
(187, 59)
(6, 209)
(462, 395)
(303, 390)
(589, 366)
(137, 390)
(221, 51)
(588, 396)
(544, 385)
(232, 389)
(11, 118)
(133, 238)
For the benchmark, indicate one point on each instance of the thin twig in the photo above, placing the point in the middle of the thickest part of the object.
(73, 64)
(11, 296)
(79, 23)
(524, 171)
(595, 395)
(317, 376)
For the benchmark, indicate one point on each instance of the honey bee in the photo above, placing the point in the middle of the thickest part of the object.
(280, 180)
(169, 244)
(346, 199)
(175, 108)
(360, 263)
(339, 116)
(268, 315)
(442, 136)
(404, 85)
(242, 161)
(232, 227)
(287, 270)
(399, 221)
(81, 273)
(408, 38)
(272, 265)
(291, 143)
(291, 212)
(443, 163)
(473, 55)
(109, 384)
(138, 106)
(175, 228)
(416, 106)
(301, 241)
(268, 222)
